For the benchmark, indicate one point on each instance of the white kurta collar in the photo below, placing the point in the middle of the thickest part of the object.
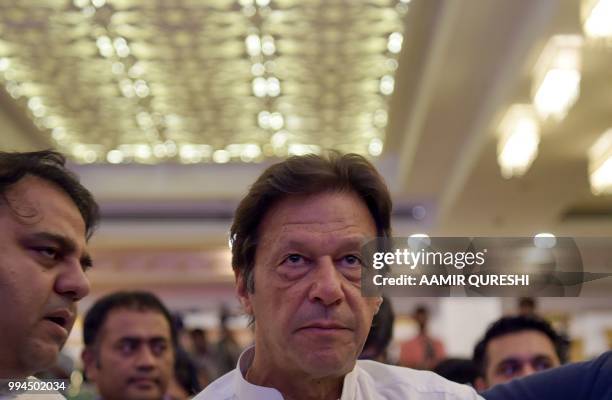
(248, 391)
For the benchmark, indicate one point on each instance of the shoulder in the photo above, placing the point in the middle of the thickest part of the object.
(40, 396)
(392, 380)
(603, 362)
(221, 389)
(601, 386)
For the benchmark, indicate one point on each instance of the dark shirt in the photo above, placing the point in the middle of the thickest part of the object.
(591, 380)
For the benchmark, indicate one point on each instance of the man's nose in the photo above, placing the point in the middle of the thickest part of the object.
(72, 281)
(145, 359)
(526, 370)
(327, 283)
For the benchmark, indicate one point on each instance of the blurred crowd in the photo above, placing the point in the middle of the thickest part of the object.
(317, 336)
(185, 360)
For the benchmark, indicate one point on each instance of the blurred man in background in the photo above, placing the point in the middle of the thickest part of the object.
(46, 219)
(130, 343)
(527, 306)
(380, 335)
(203, 356)
(517, 346)
(227, 349)
(184, 383)
(296, 254)
(590, 380)
(423, 351)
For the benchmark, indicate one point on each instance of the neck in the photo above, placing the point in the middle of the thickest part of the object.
(294, 385)
(11, 365)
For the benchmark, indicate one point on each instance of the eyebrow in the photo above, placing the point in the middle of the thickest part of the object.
(530, 358)
(300, 242)
(535, 357)
(143, 339)
(66, 244)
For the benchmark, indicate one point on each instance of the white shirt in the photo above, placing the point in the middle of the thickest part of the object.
(30, 396)
(369, 380)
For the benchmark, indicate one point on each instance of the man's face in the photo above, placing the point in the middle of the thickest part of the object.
(421, 318)
(134, 358)
(42, 261)
(310, 316)
(519, 354)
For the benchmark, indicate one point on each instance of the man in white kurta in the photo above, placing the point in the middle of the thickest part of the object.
(297, 242)
(369, 380)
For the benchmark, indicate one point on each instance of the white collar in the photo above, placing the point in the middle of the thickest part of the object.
(248, 391)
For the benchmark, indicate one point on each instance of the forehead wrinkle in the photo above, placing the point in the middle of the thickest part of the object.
(39, 204)
(19, 207)
(320, 227)
(302, 241)
(138, 328)
(142, 337)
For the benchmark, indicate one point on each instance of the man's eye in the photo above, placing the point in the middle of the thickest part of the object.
(158, 348)
(294, 259)
(509, 369)
(541, 364)
(352, 260)
(127, 347)
(47, 252)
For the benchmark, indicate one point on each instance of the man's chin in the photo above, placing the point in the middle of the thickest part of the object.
(327, 364)
(41, 354)
(140, 393)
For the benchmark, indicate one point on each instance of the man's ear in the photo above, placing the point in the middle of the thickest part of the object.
(480, 384)
(243, 293)
(379, 301)
(90, 364)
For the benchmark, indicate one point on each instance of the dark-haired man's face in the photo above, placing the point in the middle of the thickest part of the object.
(42, 261)
(133, 358)
(518, 354)
(311, 319)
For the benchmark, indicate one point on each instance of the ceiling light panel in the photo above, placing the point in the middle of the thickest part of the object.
(519, 138)
(119, 81)
(600, 164)
(597, 18)
(557, 75)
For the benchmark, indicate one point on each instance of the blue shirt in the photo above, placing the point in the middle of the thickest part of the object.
(591, 380)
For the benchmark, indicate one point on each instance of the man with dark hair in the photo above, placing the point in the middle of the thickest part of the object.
(527, 306)
(46, 218)
(130, 343)
(296, 254)
(517, 346)
(184, 383)
(588, 380)
(422, 351)
(380, 335)
(203, 357)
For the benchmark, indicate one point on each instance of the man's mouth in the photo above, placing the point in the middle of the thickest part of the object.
(325, 325)
(58, 320)
(63, 318)
(143, 381)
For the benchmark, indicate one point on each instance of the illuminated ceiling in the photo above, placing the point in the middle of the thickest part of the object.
(462, 65)
(191, 81)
